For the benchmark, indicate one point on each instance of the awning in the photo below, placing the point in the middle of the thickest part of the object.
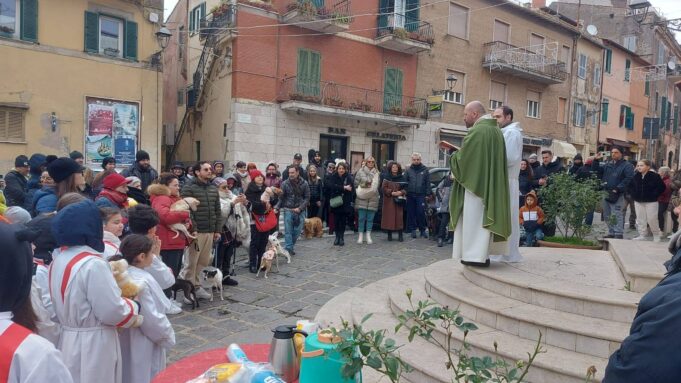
(634, 148)
(452, 132)
(563, 149)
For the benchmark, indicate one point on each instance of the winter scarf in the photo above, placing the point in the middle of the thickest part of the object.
(118, 198)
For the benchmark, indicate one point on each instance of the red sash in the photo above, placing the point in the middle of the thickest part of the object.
(10, 340)
(67, 273)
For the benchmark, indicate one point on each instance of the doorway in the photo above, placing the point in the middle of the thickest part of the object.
(332, 147)
(383, 151)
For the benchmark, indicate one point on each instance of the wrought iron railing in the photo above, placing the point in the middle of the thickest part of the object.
(351, 98)
(338, 12)
(498, 53)
(405, 27)
(213, 27)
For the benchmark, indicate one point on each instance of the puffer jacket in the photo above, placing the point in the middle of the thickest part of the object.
(367, 199)
(16, 190)
(207, 218)
(44, 201)
(418, 180)
(291, 200)
(161, 200)
(316, 190)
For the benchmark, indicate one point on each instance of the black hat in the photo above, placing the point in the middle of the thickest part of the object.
(108, 160)
(141, 156)
(62, 168)
(76, 155)
(177, 165)
(297, 156)
(21, 161)
(49, 158)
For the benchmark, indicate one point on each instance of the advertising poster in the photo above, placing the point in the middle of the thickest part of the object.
(112, 130)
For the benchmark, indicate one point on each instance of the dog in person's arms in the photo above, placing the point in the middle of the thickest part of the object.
(212, 277)
(312, 228)
(184, 204)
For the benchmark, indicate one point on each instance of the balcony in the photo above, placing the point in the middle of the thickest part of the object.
(331, 99)
(315, 15)
(520, 62)
(404, 34)
(218, 24)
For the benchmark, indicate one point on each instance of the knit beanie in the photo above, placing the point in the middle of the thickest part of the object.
(76, 155)
(217, 181)
(255, 173)
(141, 155)
(17, 215)
(16, 267)
(114, 180)
(62, 168)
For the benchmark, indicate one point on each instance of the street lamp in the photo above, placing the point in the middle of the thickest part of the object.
(163, 37)
(639, 9)
(451, 81)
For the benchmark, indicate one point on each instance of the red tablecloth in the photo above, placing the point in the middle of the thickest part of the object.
(194, 365)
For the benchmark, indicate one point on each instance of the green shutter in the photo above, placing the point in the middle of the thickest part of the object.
(676, 119)
(130, 42)
(669, 115)
(29, 20)
(315, 72)
(191, 21)
(309, 72)
(646, 90)
(608, 60)
(392, 90)
(604, 111)
(627, 69)
(412, 15)
(383, 9)
(663, 112)
(303, 61)
(91, 32)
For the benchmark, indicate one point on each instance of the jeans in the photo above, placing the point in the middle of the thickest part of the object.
(291, 232)
(443, 229)
(616, 209)
(532, 237)
(365, 219)
(416, 213)
(661, 212)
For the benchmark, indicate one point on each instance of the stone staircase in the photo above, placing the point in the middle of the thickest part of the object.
(577, 299)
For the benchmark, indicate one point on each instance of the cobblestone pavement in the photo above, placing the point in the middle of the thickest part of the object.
(317, 272)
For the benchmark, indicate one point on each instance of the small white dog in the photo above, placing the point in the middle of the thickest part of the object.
(185, 204)
(212, 277)
(278, 248)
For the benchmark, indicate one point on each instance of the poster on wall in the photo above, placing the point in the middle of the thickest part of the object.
(112, 130)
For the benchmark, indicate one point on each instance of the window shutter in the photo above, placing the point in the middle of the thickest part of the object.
(130, 43)
(191, 21)
(392, 97)
(663, 112)
(675, 127)
(302, 79)
(203, 13)
(15, 127)
(646, 91)
(574, 115)
(458, 21)
(669, 115)
(383, 9)
(29, 20)
(412, 14)
(91, 32)
(501, 31)
(532, 96)
(314, 73)
(498, 92)
(604, 111)
(627, 68)
(608, 60)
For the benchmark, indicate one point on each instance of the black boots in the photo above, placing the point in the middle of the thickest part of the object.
(336, 241)
(399, 236)
(440, 242)
(341, 241)
(390, 235)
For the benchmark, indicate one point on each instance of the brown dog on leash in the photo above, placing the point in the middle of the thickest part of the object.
(312, 228)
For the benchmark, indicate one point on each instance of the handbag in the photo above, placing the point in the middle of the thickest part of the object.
(336, 201)
(400, 200)
(265, 222)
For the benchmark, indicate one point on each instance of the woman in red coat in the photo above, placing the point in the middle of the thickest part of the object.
(163, 194)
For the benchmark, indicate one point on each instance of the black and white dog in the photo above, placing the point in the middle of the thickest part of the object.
(212, 277)
(188, 290)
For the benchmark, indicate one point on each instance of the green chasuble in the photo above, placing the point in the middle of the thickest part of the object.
(480, 167)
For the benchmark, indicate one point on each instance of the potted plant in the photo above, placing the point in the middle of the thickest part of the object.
(410, 111)
(395, 109)
(296, 96)
(566, 202)
(400, 33)
(334, 101)
(361, 106)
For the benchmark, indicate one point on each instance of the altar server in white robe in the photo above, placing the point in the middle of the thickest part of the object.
(24, 356)
(144, 348)
(513, 138)
(86, 297)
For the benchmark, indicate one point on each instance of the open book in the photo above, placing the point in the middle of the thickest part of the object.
(448, 146)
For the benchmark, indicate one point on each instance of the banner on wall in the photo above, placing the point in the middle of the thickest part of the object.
(112, 130)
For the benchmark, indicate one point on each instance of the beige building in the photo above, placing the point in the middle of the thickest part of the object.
(505, 54)
(78, 75)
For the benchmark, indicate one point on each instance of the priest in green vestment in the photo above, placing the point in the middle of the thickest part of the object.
(479, 205)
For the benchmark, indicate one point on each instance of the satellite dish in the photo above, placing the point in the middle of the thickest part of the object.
(592, 30)
(671, 64)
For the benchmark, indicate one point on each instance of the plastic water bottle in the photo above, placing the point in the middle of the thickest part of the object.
(257, 372)
(236, 354)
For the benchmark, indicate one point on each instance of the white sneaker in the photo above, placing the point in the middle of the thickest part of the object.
(186, 301)
(658, 239)
(639, 238)
(369, 241)
(203, 294)
(174, 309)
(360, 238)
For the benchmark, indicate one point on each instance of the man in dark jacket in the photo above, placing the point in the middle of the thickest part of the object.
(178, 170)
(577, 163)
(16, 184)
(615, 177)
(547, 168)
(297, 161)
(206, 221)
(418, 187)
(142, 169)
(295, 196)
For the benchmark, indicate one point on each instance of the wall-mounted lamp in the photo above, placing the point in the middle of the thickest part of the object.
(451, 81)
(163, 37)
(639, 9)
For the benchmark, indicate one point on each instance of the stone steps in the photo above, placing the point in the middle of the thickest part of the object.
(573, 332)
(641, 262)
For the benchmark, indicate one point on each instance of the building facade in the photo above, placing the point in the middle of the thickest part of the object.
(79, 76)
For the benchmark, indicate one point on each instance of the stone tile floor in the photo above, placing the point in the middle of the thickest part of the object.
(317, 272)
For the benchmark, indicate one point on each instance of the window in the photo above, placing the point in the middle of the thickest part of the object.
(308, 75)
(676, 118)
(594, 118)
(392, 91)
(629, 42)
(597, 75)
(657, 98)
(605, 104)
(533, 99)
(579, 115)
(110, 36)
(663, 112)
(646, 89)
(626, 118)
(608, 61)
(565, 58)
(497, 94)
(627, 70)
(12, 124)
(536, 43)
(581, 71)
(180, 97)
(562, 110)
(19, 19)
(456, 95)
(458, 21)
(198, 13)
(661, 54)
(180, 42)
(502, 31)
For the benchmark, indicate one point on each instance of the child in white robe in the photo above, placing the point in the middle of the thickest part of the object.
(144, 348)
(112, 220)
(86, 298)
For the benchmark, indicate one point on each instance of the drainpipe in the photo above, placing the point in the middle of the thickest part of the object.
(572, 75)
(600, 101)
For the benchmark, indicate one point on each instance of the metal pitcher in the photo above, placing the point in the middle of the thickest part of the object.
(283, 357)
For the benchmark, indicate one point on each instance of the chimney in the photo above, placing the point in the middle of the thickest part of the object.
(538, 4)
